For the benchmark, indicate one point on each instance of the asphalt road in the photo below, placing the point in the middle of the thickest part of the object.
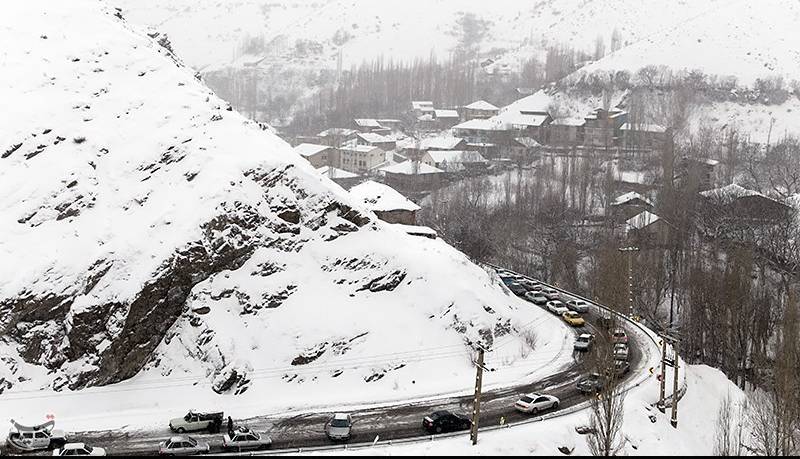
(387, 423)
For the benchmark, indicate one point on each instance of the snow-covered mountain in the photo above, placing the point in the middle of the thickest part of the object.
(149, 231)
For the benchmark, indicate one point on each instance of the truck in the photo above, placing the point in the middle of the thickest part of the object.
(35, 438)
(194, 421)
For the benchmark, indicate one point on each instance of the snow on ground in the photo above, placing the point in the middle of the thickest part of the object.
(151, 233)
(694, 436)
(749, 40)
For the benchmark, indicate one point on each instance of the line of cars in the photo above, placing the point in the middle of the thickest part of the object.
(547, 297)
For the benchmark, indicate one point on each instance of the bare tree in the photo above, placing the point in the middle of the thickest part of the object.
(728, 431)
(607, 409)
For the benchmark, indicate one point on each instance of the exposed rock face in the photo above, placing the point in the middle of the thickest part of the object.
(171, 235)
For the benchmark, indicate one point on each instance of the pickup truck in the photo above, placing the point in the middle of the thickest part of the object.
(194, 422)
(24, 438)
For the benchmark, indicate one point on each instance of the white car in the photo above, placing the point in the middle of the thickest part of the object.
(621, 351)
(182, 446)
(536, 298)
(557, 307)
(551, 294)
(245, 439)
(578, 306)
(339, 427)
(535, 403)
(78, 449)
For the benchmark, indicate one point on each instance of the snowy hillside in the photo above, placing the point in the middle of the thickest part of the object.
(748, 40)
(150, 232)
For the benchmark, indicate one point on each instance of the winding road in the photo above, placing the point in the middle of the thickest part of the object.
(400, 421)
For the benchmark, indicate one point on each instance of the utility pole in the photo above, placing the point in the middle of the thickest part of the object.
(630, 251)
(674, 420)
(476, 402)
(663, 378)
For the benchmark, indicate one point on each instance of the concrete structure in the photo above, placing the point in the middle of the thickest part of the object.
(360, 159)
(317, 155)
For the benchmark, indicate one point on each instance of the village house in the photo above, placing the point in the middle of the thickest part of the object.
(368, 125)
(445, 119)
(647, 228)
(455, 161)
(479, 130)
(371, 139)
(700, 174)
(336, 137)
(629, 205)
(524, 149)
(317, 155)
(736, 205)
(566, 132)
(532, 124)
(639, 136)
(602, 127)
(422, 107)
(413, 177)
(360, 159)
(341, 177)
(479, 110)
(387, 203)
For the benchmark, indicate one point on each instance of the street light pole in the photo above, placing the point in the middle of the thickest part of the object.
(630, 251)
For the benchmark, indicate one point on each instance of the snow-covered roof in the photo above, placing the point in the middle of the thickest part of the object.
(422, 105)
(643, 127)
(523, 119)
(382, 198)
(440, 143)
(730, 193)
(574, 122)
(408, 168)
(528, 142)
(309, 149)
(335, 173)
(642, 220)
(491, 124)
(455, 156)
(367, 123)
(372, 137)
(481, 105)
(446, 113)
(341, 132)
(628, 197)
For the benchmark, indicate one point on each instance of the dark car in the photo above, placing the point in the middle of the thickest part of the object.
(445, 421)
(591, 383)
(517, 288)
(621, 368)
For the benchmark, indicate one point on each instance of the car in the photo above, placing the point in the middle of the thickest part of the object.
(532, 286)
(78, 449)
(618, 336)
(517, 288)
(621, 368)
(578, 306)
(551, 294)
(573, 318)
(194, 422)
(591, 383)
(35, 438)
(536, 403)
(182, 446)
(242, 438)
(584, 342)
(557, 307)
(621, 351)
(339, 427)
(536, 298)
(445, 421)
